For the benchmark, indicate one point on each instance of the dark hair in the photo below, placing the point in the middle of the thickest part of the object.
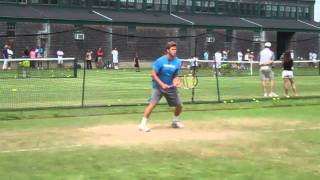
(171, 44)
(287, 58)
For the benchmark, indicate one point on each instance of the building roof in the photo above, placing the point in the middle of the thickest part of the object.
(218, 21)
(147, 18)
(25, 13)
(284, 24)
(53, 14)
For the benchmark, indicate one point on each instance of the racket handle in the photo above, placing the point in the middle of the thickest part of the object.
(171, 86)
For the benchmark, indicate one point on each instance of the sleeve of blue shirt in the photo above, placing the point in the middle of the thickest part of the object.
(178, 68)
(157, 66)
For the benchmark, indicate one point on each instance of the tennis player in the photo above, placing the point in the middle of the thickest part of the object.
(164, 82)
(287, 74)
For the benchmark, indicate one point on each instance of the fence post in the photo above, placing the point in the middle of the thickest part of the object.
(75, 68)
(83, 83)
(319, 67)
(217, 80)
(193, 88)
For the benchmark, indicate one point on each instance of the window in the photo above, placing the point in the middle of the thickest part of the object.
(139, 4)
(123, 4)
(263, 10)
(293, 12)
(299, 12)
(268, 10)
(11, 29)
(212, 6)
(306, 13)
(220, 7)
(274, 11)
(197, 5)
(149, 4)
(288, 9)
(232, 8)
(281, 11)
(164, 5)
(131, 4)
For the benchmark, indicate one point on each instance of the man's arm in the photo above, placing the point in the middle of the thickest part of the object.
(157, 79)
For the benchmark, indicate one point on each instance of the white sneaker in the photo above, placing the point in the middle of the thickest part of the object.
(265, 95)
(144, 128)
(177, 124)
(273, 94)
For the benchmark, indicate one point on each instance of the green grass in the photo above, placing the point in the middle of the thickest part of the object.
(273, 142)
(269, 139)
(125, 87)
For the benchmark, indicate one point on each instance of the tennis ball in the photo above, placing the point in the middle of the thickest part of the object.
(278, 98)
(119, 100)
(257, 101)
(14, 90)
(231, 101)
(274, 98)
(253, 99)
(225, 102)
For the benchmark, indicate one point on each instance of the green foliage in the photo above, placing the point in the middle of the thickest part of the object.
(25, 64)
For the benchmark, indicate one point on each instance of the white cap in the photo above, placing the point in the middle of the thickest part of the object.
(267, 44)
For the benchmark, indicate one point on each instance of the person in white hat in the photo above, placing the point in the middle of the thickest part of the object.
(266, 73)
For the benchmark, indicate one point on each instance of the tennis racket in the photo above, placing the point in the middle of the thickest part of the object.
(189, 81)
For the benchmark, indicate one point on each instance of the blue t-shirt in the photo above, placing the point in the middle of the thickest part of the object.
(206, 56)
(166, 69)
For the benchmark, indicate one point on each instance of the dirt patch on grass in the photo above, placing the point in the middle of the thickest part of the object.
(115, 135)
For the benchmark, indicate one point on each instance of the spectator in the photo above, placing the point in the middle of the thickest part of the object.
(217, 62)
(206, 58)
(60, 55)
(10, 56)
(136, 62)
(240, 58)
(99, 55)
(89, 59)
(314, 59)
(39, 55)
(287, 74)
(115, 59)
(266, 73)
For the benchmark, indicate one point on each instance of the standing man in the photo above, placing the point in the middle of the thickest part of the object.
(89, 58)
(115, 59)
(240, 58)
(217, 62)
(164, 82)
(266, 73)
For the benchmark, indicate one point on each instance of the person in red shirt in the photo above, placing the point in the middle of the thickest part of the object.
(99, 55)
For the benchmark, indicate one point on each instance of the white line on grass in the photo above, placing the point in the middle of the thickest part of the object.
(41, 149)
(290, 129)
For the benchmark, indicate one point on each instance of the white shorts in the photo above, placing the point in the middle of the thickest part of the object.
(287, 74)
